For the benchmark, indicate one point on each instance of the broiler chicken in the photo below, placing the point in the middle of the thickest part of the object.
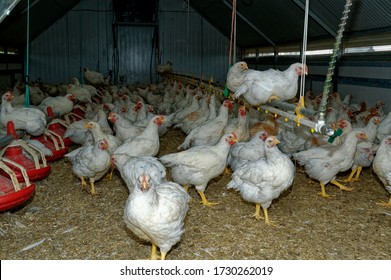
(241, 126)
(93, 78)
(261, 86)
(382, 166)
(123, 128)
(61, 105)
(209, 133)
(81, 94)
(78, 134)
(262, 181)
(98, 134)
(325, 162)
(384, 128)
(90, 161)
(235, 75)
(32, 120)
(365, 151)
(198, 165)
(155, 209)
(245, 152)
(145, 144)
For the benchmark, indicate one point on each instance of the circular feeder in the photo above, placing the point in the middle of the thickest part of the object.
(12, 192)
(36, 168)
(59, 127)
(53, 142)
(79, 110)
(71, 117)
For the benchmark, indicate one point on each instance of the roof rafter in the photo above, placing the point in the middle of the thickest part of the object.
(316, 18)
(251, 24)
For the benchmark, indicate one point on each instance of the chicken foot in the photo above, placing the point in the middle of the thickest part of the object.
(92, 187)
(340, 186)
(356, 171)
(350, 178)
(257, 214)
(205, 201)
(386, 204)
(154, 254)
(83, 182)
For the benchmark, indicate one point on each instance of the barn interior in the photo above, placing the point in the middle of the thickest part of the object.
(144, 49)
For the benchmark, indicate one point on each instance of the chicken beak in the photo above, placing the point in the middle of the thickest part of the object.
(87, 125)
(144, 184)
(276, 141)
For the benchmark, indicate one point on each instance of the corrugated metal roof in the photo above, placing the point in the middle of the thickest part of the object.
(259, 22)
(282, 21)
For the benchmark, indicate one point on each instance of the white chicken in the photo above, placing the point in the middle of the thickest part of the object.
(365, 151)
(235, 75)
(155, 209)
(384, 128)
(32, 120)
(94, 78)
(78, 134)
(123, 128)
(261, 86)
(81, 94)
(61, 105)
(265, 179)
(198, 165)
(90, 161)
(240, 126)
(145, 144)
(382, 166)
(245, 152)
(98, 134)
(325, 162)
(209, 133)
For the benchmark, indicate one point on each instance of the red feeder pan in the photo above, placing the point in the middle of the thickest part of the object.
(58, 127)
(79, 110)
(51, 141)
(13, 193)
(72, 117)
(35, 170)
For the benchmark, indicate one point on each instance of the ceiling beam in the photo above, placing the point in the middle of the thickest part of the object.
(250, 24)
(316, 18)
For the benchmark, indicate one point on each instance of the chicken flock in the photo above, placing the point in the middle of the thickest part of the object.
(120, 128)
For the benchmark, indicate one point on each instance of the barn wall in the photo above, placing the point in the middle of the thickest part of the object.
(82, 38)
(191, 43)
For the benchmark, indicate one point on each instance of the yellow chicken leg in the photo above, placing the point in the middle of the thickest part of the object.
(350, 178)
(154, 255)
(340, 186)
(205, 201)
(323, 192)
(83, 182)
(227, 170)
(257, 214)
(359, 169)
(163, 256)
(386, 204)
(186, 187)
(92, 187)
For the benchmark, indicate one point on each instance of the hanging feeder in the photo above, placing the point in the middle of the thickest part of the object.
(59, 127)
(72, 117)
(79, 110)
(36, 168)
(53, 142)
(12, 192)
